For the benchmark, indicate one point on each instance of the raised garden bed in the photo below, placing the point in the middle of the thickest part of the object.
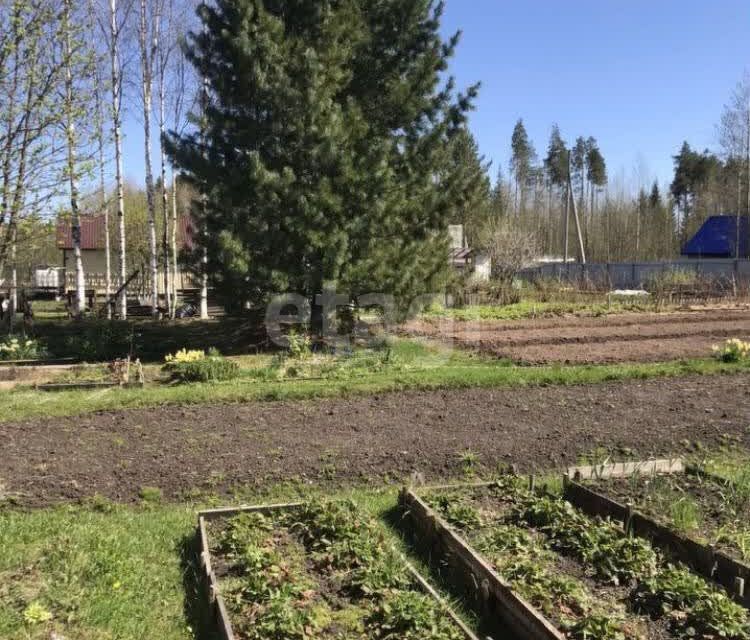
(320, 570)
(698, 518)
(47, 362)
(533, 564)
(84, 386)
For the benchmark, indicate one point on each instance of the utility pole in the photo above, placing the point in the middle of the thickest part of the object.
(572, 199)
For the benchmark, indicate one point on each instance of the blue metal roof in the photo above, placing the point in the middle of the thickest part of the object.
(717, 238)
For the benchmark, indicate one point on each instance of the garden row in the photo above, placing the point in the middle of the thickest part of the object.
(525, 559)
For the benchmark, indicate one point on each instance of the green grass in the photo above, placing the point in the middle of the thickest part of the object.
(116, 573)
(105, 571)
(441, 373)
(535, 309)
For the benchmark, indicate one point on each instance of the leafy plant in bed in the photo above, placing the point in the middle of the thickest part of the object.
(199, 366)
(708, 510)
(21, 348)
(323, 571)
(589, 578)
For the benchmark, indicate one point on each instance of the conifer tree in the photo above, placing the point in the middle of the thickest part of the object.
(469, 174)
(523, 157)
(327, 156)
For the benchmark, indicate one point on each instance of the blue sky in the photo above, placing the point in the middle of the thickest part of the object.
(639, 75)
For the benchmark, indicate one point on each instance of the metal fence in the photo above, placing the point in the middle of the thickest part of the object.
(634, 275)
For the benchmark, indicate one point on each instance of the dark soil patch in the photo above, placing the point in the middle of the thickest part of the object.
(362, 439)
(608, 339)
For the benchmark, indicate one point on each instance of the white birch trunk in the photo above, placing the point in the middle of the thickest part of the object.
(174, 245)
(204, 280)
(117, 132)
(13, 302)
(146, 69)
(164, 195)
(80, 298)
(103, 201)
(204, 257)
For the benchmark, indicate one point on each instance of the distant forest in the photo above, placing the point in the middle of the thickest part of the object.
(617, 223)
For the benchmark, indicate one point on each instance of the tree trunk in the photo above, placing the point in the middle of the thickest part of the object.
(117, 131)
(174, 245)
(204, 280)
(164, 196)
(747, 162)
(10, 106)
(103, 200)
(566, 232)
(146, 69)
(204, 203)
(13, 302)
(579, 231)
(80, 299)
(638, 233)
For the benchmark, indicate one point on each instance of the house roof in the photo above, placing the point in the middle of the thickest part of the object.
(92, 233)
(718, 238)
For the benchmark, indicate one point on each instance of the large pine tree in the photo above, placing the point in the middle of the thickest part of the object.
(325, 157)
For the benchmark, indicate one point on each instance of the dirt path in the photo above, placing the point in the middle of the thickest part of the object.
(373, 438)
(608, 339)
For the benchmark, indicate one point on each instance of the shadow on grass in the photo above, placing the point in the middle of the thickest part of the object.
(436, 573)
(198, 614)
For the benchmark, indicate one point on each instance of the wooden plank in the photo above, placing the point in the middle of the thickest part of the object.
(51, 362)
(220, 610)
(625, 469)
(84, 386)
(702, 558)
(228, 512)
(429, 590)
(216, 601)
(493, 599)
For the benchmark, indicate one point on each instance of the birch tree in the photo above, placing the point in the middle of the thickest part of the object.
(148, 41)
(171, 81)
(30, 75)
(183, 100)
(163, 54)
(734, 137)
(112, 25)
(103, 204)
(70, 111)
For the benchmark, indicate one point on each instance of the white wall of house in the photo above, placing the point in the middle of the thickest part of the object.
(456, 235)
(482, 267)
(95, 268)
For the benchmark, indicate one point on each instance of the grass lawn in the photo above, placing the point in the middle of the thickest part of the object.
(417, 368)
(529, 309)
(114, 573)
(106, 571)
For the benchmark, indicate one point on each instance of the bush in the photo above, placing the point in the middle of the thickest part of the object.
(13, 348)
(196, 366)
(734, 350)
(100, 341)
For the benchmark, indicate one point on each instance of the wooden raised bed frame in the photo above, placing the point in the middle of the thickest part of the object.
(705, 559)
(216, 600)
(488, 593)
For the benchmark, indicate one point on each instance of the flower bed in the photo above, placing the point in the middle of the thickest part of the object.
(320, 570)
(584, 574)
(701, 517)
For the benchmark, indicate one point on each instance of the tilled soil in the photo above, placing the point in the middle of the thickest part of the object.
(607, 339)
(362, 439)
